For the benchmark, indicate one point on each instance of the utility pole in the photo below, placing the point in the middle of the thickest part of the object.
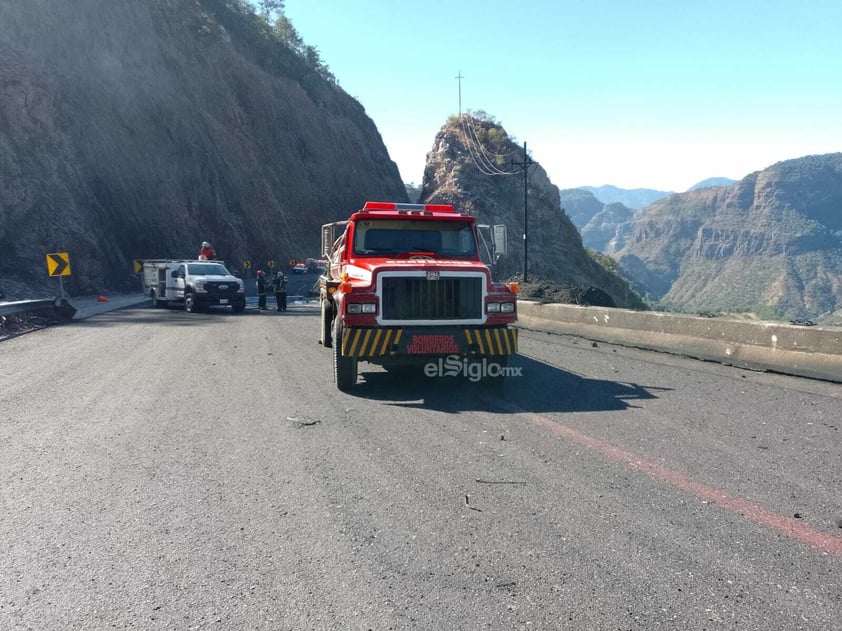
(459, 77)
(527, 162)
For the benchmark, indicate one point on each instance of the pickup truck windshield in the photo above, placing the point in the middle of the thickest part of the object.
(207, 269)
(384, 237)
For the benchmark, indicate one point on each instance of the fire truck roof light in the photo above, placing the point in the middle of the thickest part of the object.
(441, 208)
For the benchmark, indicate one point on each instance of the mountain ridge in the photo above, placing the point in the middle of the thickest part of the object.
(770, 244)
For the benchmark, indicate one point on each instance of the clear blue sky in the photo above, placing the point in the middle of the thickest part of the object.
(648, 94)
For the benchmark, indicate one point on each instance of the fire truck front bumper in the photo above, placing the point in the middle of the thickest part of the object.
(380, 343)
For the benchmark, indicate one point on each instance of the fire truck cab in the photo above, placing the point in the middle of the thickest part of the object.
(405, 286)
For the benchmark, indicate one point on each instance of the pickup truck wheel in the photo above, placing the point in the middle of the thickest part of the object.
(326, 339)
(344, 367)
(190, 303)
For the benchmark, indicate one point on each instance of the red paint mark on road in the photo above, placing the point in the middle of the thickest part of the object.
(784, 525)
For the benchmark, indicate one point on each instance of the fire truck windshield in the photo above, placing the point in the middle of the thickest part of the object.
(385, 237)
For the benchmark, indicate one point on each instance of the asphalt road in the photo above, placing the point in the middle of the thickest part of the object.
(165, 470)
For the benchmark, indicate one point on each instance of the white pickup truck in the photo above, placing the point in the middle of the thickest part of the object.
(195, 284)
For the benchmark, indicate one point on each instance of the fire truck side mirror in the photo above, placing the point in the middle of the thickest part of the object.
(499, 240)
(330, 232)
(327, 239)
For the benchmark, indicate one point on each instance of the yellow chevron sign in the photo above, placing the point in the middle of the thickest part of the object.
(58, 264)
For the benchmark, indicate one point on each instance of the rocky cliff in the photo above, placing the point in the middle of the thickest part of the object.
(139, 129)
(770, 244)
(603, 226)
(470, 166)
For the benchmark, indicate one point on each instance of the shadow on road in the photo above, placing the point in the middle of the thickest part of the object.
(176, 316)
(542, 388)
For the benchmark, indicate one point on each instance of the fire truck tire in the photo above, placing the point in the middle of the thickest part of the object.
(190, 305)
(327, 312)
(344, 367)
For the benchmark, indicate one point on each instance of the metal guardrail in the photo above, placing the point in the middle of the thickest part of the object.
(53, 310)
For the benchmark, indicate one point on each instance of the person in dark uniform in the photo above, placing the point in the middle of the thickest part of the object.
(280, 283)
(262, 290)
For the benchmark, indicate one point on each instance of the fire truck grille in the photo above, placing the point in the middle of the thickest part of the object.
(417, 298)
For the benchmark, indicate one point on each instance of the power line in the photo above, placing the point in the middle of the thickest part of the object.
(495, 157)
(477, 151)
(527, 162)
(482, 163)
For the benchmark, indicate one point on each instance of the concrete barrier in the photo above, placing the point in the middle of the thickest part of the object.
(814, 352)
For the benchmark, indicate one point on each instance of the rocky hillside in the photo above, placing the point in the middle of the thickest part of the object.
(139, 129)
(603, 226)
(769, 244)
(457, 168)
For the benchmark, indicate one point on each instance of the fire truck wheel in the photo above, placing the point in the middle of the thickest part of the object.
(344, 367)
(326, 340)
(190, 303)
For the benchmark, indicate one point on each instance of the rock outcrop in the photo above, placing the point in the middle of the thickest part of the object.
(464, 168)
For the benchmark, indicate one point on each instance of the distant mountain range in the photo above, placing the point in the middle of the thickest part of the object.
(770, 244)
(640, 197)
(712, 181)
(631, 198)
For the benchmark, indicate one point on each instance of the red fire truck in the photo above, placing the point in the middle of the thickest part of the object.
(406, 287)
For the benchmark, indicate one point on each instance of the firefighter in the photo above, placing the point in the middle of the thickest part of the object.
(280, 283)
(262, 289)
(206, 252)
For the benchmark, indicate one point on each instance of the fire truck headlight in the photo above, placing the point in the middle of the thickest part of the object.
(200, 285)
(361, 307)
(507, 307)
(493, 307)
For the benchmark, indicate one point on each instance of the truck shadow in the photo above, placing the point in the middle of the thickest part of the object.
(541, 388)
(176, 316)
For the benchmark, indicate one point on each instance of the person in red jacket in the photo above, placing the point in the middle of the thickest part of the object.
(206, 253)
